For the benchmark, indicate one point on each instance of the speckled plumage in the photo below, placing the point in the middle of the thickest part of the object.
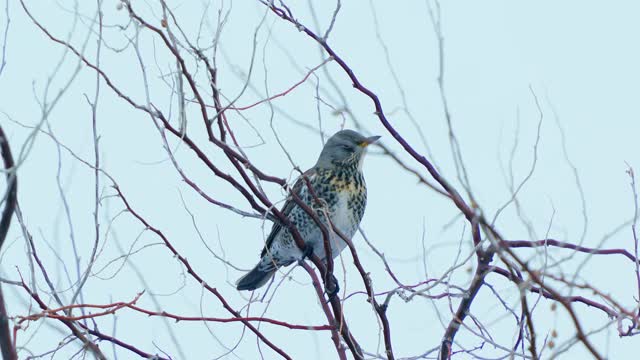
(338, 183)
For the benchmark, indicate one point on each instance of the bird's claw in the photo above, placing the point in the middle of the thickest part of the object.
(331, 287)
(307, 252)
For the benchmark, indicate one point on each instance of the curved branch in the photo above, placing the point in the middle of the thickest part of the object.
(580, 299)
(566, 245)
(11, 198)
(465, 305)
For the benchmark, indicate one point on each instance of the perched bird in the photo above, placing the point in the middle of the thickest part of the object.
(337, 181)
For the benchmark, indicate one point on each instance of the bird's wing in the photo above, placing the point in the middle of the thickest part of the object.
(289, 204)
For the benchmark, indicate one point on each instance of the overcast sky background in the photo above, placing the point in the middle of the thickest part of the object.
(579, 57)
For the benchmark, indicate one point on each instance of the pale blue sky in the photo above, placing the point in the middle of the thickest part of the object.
(581, 57)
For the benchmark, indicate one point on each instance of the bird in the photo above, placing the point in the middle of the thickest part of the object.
(337, 182)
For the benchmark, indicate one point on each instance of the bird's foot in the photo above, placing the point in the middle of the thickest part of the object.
(307, 252)
(331, 287)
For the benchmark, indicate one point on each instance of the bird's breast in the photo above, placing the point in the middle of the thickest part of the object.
(348, 211)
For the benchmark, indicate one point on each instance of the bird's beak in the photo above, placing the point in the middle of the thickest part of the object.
(370, 140)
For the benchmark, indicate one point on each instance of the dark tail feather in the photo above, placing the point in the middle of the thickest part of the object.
(255, 278)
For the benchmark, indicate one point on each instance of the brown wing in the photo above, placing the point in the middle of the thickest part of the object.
(286, 209)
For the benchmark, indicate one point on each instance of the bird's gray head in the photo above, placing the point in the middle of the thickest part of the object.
(345, 148)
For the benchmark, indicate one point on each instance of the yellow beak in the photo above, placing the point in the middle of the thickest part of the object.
(370, 140)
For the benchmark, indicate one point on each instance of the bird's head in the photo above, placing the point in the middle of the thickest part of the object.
(345, 148)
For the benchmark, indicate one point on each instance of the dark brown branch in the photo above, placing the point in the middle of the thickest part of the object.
(236, 159)
(579, 299)
(72, 325)
(528, 316)
(455, 196)
(473, 216)
(482, 270)
(11, 197)
(381, 309)
(197, 277)
(177, 133)
(566, 245)
(80, 334)
(536, 278)
(325, 308)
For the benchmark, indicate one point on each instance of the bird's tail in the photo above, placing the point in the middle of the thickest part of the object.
(256, 277)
